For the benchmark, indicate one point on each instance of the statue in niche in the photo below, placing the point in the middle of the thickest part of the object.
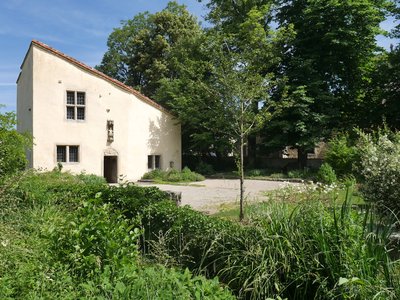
(110, 131)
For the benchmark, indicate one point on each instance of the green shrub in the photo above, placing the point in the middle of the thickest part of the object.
(57, 187)
(342, 154)
(154, 174)
(204, 168)
(130, 198)
(256, 173)
(380, 170)
(154, 282)
(173, 175)
(50, 251)
(96, 236)
(306, 173)
(13, 145)
(186, 233)
(326, 174)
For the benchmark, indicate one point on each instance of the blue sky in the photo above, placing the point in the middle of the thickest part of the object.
(79, 28)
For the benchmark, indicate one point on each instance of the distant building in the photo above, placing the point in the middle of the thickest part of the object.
(89, 122)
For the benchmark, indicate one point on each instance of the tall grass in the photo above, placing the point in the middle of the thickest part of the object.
(308, 249)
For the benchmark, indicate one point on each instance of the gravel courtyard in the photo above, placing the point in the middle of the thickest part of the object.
(209, 194)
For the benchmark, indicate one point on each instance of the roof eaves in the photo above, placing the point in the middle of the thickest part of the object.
(97, 73)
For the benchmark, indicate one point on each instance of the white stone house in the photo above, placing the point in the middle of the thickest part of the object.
(89, 122)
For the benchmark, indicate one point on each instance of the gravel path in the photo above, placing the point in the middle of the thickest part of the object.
(209, 194)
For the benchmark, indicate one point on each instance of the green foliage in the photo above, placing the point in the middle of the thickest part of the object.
(94, 237)
(184, 233)
(325, 70)
(342, 155)
(305, 173)
(13, 145)
(140, 52)
(173, 175)
(204, 168)
(130, 199)
(154, 282)
(291, 251)
(382, 91)
(295, 115)
(380, 170)
(255, 173)
(63, 188)
(25, 264)
(326, 174)
(49, 251)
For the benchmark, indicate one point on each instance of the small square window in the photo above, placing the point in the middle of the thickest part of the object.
(154, 162)
(61, 153)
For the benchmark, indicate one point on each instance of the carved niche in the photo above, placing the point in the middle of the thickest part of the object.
(110, 131)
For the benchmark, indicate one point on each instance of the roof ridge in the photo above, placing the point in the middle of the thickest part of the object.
(99, 74)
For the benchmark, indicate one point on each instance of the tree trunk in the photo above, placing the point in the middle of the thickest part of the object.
(302, 158)
(241, 170)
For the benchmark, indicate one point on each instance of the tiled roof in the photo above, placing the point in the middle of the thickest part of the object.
(98, 74)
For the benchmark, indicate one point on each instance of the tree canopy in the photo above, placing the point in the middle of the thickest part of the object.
(320, 58)
(139, 52)
(325, 67)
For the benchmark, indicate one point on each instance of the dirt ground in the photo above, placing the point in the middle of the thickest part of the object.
(208, 195)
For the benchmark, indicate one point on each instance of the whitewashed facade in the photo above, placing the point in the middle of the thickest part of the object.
(89, 122)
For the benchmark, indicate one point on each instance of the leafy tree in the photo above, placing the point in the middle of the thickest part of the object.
(382, 92)
(13, 145)
(189, 96)
(248, 24)
(241, 89)
(326, 65)
(139, 52)
(218, 92)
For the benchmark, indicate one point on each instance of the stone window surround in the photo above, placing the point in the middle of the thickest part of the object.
(76, 107)
(67, 153)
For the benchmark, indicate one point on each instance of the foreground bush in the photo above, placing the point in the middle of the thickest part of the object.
(173, 175)
(41, 188)
(50, 251)
(380, 170)
(307, 251)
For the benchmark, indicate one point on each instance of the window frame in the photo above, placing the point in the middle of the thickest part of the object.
(75, 106)
(68, 154)
(152, 162)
